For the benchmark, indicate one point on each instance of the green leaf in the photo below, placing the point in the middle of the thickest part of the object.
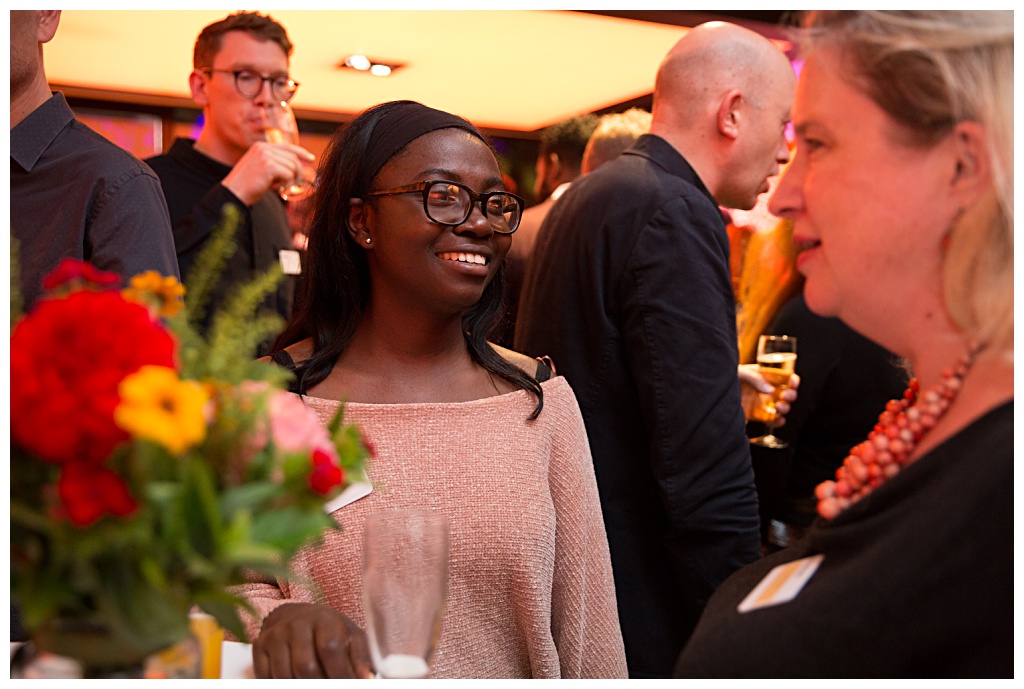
(290, 528)
(248, 496)
(225, 609)
(210, 263)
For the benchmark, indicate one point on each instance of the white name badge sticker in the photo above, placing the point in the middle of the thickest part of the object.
(359, 489)
(290, 263)
(782, 584)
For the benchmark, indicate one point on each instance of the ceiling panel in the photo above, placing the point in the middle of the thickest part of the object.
(502, 69)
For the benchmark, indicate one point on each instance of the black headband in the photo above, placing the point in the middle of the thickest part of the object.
(401, 126)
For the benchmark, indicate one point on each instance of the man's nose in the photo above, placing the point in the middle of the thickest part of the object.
(265, 95)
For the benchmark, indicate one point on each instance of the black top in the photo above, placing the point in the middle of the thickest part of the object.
(74, 194)
(628, 289)
(196, 199)
(845, 381)
(916, 580)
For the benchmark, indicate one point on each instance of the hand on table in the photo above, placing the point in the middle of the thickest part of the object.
(304, 640)
(753, 384)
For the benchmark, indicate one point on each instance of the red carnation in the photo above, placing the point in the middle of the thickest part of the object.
(67, 358)
(327, 475)
(71, 271)
(89, 492)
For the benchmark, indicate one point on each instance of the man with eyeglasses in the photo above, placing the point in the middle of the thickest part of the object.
(240, 69)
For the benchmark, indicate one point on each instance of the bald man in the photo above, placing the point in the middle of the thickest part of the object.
(630, 295)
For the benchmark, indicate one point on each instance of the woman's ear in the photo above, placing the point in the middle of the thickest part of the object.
(972, 174)
(359, 221)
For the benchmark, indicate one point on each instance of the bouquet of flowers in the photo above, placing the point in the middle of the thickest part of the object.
(153, 469)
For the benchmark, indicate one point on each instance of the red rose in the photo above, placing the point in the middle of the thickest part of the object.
(89, 492)
(327, 475)
(67, 358)
(72, 270)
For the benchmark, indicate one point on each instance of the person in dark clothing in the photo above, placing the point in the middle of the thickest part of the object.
(74, 194)
(631, 297)
(559, 162)
(845, 379)
(901, 196)
(241, 68)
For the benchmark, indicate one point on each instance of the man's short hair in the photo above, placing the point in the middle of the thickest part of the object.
(568, 139)
(262, 28)
(615, 133)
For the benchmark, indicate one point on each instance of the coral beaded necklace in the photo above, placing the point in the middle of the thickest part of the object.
(887, 450)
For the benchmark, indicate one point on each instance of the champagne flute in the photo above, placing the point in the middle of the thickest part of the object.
(280, 127)
(405, 583)
(776, 361)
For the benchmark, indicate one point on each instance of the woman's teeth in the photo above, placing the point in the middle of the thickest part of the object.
(464, 258)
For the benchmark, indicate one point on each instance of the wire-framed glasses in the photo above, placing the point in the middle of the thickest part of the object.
(249, 83)
(451, 203)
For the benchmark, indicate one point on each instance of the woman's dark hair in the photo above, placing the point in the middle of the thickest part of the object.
(335, 288)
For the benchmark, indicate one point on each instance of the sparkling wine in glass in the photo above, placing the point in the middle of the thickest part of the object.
(776, 361)
(280, 127)
(405, 583)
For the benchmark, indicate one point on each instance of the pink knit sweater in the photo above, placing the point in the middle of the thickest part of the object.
(530, 590)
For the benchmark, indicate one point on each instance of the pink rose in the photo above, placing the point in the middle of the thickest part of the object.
(294, 428)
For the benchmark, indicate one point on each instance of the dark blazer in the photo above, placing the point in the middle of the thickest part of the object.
(629, 292)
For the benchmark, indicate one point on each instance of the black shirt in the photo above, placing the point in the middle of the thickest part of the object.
(916, 580)
(196, 198)
(74, 194)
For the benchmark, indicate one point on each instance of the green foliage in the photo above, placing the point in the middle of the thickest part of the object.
(210, 263)
(234, 507)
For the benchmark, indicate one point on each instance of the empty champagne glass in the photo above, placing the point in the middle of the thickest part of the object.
(405, 583)
(280, 127)
(776, 361)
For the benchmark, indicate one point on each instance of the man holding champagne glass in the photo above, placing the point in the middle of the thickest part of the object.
(240, 77)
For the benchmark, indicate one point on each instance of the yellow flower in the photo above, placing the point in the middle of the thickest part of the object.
(157, 405)
(152, 289)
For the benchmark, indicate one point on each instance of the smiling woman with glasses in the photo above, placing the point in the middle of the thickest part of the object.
(411, 224)
(450, 203)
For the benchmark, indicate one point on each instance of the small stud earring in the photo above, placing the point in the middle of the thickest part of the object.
(367, 240)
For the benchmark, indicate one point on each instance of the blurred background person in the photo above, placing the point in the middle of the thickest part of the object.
(240, 69)
(901, 197)
(558, 163)
(615, 132)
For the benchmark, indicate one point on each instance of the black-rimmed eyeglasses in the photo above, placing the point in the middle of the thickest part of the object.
(249, 83)
(451, 203)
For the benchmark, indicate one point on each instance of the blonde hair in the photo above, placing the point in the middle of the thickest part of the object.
(929, 70)
(615, 133)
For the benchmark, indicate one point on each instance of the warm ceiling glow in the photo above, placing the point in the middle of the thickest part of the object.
(517, 70)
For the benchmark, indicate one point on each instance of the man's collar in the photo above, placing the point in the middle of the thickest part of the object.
(34, 134)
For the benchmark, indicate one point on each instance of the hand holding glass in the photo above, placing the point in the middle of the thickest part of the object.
(776, 361)
(280, 127)
(405, 583)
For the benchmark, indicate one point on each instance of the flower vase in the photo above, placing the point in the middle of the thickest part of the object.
(99, 652)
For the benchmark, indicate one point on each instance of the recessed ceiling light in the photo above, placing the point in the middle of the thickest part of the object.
(362, 63)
